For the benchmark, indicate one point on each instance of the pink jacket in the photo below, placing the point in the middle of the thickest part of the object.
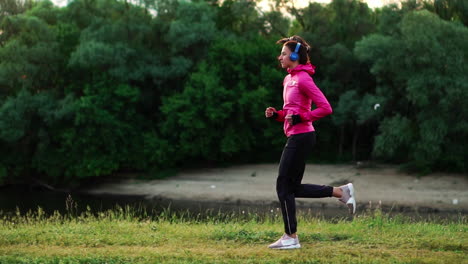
(299, 93)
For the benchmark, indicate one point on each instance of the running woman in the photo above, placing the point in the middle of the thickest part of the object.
(299, 93)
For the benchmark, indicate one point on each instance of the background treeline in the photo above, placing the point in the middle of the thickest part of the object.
(104, 86)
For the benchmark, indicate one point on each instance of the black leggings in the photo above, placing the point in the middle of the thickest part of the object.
(291, 171)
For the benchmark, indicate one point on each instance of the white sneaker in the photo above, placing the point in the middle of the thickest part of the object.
(286, 242)
(348, 197)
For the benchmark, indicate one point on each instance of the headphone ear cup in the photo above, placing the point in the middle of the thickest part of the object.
(294, 56)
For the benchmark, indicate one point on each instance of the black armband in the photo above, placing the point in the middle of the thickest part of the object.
(296, 119)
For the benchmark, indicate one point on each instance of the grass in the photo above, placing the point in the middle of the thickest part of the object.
(126, 235)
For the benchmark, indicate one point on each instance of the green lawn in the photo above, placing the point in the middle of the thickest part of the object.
(124, 236)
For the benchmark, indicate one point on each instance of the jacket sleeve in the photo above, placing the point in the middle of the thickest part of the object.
(280, 117)
(308, 87)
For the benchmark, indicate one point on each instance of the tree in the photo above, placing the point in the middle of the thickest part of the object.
(99, 136)
(353, 112)
(239, 17)
(91, 65)
(426, 91)
(23, 121)
(14, 7)
(450, 10)
(29, 57)
(218, 115)
(332, 30)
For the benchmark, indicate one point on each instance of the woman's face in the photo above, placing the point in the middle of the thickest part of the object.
(285, 60)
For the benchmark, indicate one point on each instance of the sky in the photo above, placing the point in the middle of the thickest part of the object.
(60, 2)
(298, 3)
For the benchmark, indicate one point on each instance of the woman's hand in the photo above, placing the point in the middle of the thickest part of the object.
(269, 112)
(289, 118)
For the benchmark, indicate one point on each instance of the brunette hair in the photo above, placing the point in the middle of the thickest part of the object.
(291, 43)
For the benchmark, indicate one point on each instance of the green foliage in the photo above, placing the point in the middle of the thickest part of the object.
(239, 17)
(451, 10)
(3, 174)
(14, 7)
(22, 122)
(193, 28)
(341, 21)
(29, 58)
(398, 134)
(114, 43)
(429, 94)
(333, 30)
(104, 122)
(103, 86)
(210, 118)
(351, 107)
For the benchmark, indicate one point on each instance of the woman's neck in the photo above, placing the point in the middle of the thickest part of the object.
(294, 66)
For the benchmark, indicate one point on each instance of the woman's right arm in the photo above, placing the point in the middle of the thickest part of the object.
(271, 112)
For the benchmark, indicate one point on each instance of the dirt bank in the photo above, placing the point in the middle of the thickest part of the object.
(255, 184)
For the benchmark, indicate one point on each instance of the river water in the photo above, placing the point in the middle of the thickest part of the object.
(25, 198)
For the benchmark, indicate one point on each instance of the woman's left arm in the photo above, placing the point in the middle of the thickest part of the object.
(308, 87)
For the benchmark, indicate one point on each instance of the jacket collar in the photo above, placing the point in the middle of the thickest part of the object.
(309, 68)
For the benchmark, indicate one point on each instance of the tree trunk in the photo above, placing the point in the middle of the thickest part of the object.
(355, 139)
(340, 145)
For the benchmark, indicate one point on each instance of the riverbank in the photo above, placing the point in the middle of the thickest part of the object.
(254, 185)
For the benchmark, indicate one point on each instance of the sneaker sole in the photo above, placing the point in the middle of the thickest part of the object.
(289, 247)
(351, 202)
